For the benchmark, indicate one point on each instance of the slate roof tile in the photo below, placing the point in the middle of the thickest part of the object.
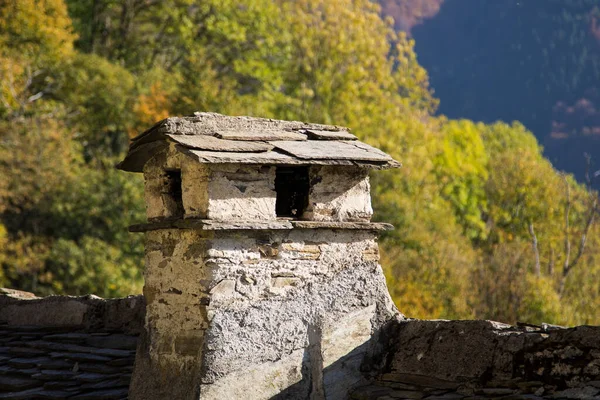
(65, 365)
(214, 138)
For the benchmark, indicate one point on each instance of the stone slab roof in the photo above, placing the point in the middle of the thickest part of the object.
(215, 138)
(83, 348)
(60, 347)
(61, 363)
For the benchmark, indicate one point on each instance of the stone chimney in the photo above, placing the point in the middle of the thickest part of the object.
(262, 277)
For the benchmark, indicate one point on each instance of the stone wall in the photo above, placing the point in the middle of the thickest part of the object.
(63, 347)
(254, 313)
(278, 332)
(485, 359)
(217, 191)
(158, 195)
(88, 313)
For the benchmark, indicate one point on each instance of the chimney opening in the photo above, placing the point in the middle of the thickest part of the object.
(174, 192)
(291, 186)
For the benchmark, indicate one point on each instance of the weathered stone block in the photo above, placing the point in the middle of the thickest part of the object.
(71, 313)
(339, 194)
(223, 291)
(195, 179)
(241, 192)
(263, 381)
(247, 192)
(344, 345)
(189, 343)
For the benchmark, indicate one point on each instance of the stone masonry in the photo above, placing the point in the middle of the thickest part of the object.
(262, 270)
(264, 310)
(444, 360)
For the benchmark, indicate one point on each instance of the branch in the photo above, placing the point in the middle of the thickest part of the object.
(569, 265)
(590, 219)
(567, 212)
(29, 80)
(35, 97)
(588, 163)
(582, 242)
(534, 244)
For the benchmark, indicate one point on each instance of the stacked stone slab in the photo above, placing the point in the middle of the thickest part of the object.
(245, 300)
(60, 347)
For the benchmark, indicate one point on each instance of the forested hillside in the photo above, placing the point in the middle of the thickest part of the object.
(485, 227)
(535, 61)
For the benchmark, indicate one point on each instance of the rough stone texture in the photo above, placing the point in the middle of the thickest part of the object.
(215, 144)
(218, 192)
(329, 135)
(158, 194)
(260, 313)
(485, 359)
(278, 224)
(259, 134)
(67, 347)
(208, 137)
(17, 294)
(88, 312)
(276, 157)
(237, 192)
(263, 381)
(367, 226)
(264, 309)
(233, 192)
(212, 225)
(332, 150)
(194, 182)
(204, 123)
(339, 194)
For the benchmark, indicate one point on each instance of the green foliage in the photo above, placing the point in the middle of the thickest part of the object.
(61, 114)
(463, 204)
(37, 29)
(56, 203)
(523, 187)
(100, 95)
(462, 170)
(91, 265)
(541, 303)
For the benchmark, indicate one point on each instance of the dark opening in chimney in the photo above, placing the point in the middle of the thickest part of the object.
(175, 192)
(291, 186)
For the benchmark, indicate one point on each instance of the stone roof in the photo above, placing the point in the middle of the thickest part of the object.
(60, 347)
(83, 348)
(214, 138)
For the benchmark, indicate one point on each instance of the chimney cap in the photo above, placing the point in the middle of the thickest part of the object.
(217, 139)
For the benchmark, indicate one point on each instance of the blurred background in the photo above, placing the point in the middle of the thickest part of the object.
(490, 105)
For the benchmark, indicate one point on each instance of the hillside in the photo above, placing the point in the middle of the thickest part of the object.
(535, 61)
(485, 227)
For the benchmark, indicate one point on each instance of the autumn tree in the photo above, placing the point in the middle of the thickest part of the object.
(465, 203)
(55, 198)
